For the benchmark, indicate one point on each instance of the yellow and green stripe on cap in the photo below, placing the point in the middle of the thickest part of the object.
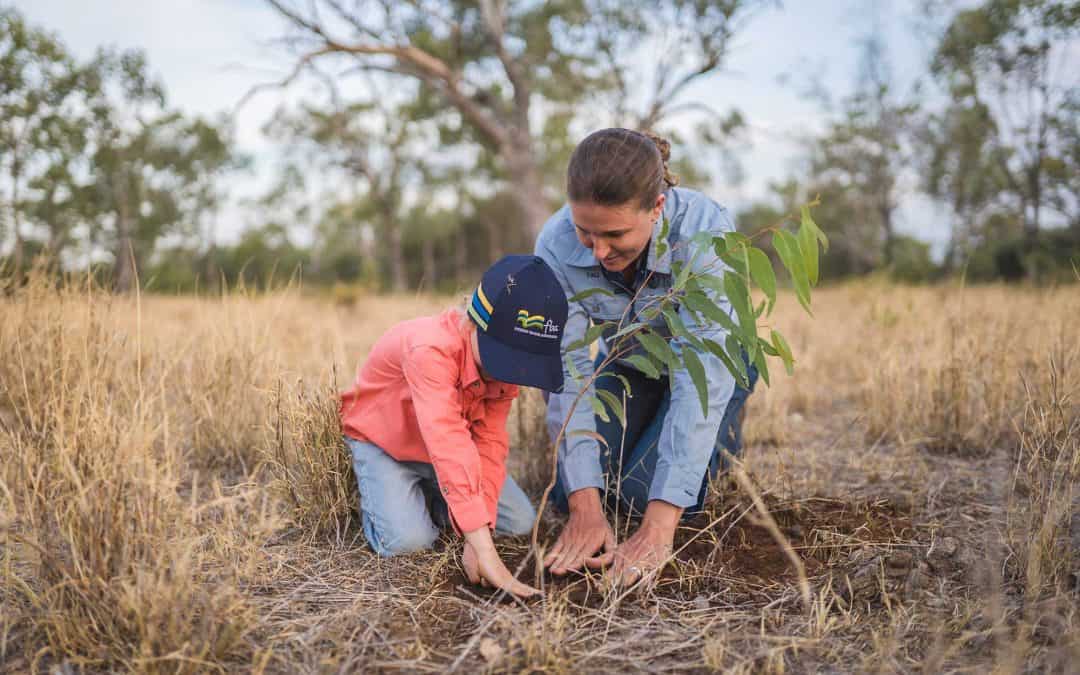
(480, 308)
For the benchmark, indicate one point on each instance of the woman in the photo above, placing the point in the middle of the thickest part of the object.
(426, 419)
(619, 193)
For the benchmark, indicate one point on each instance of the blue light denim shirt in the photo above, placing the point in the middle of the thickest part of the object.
(688, 437)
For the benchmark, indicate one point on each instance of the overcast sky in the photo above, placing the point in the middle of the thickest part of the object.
(210, 52)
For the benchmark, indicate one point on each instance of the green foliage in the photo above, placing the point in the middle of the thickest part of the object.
(698, 287)
(92, 147)
(1012, 114)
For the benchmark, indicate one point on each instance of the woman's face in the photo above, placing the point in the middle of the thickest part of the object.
(616, 234)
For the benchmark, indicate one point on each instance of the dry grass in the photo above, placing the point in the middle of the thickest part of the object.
(174, 496)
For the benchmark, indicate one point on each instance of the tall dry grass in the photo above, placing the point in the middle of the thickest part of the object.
(103, 564)
(175, 496)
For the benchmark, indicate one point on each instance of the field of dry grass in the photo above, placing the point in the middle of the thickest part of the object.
(174, 496)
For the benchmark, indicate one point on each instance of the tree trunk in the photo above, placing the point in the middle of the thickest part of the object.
(528, 188)
(427, 255)
(495, 239)
(124, 263)
(394, 240)
(461, 261)
(890, 236)
(123, 267)
(17, 258)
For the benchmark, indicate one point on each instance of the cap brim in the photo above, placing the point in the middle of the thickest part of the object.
(520, 367)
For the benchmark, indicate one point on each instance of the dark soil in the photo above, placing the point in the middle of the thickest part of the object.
(732, 553)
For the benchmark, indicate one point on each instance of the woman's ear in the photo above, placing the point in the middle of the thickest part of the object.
(658, 207)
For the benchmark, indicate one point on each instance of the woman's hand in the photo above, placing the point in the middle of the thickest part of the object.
(645, 553)
(484, 566)
(586, 533)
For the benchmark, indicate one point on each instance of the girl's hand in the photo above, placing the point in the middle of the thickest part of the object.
(483, 565)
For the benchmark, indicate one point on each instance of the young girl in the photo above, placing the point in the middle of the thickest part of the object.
(426, 418)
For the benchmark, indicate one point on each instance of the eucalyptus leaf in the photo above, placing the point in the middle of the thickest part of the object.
(598, 409)
(697, 376)
(659, 348)
(644, 365)
(614, 404)
(761, 270)
(734, 366)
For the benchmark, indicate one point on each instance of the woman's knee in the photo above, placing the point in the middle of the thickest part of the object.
(400, 540)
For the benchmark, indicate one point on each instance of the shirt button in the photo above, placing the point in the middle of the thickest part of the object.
(446, 491)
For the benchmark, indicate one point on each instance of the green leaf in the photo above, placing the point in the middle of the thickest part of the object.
(598, 409)
(644, 365)
(761, 271)
(809, 250)
(737, 262)
(614, 404)
(735, 350)
(782, 346)
(649, 313)
(621, 378)
(626, 330)
(762, 366)
(578, 297)
(736, 239)
(683, 274)
(572, 367)
(712, 282)
(590, 336)
(697, 376)
(807, 221)
(767, 347)
(788, 249)
(703, 304)
(720, 247)
(678, 328)
(739, 370)
(739, 297)
(702, 239)
(659, 348)
(662, 240)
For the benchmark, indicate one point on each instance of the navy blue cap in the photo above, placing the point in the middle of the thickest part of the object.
(520, 310)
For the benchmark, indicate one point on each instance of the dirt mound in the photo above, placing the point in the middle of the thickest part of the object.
(731, 550)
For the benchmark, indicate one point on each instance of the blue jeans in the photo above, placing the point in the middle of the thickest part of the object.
(402, 509)
(633, 459)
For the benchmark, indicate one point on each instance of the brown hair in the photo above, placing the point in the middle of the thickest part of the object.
(612, 167)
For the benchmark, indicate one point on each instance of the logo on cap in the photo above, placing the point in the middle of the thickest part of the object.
(535, 324)
(526, 321)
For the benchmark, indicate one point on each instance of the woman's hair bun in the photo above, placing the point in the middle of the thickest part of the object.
(664, 146)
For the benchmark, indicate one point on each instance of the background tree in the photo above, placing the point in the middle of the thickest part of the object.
(491, 64)
(367, 144)
(39, 133)
(867, 150)
(149, 167)
(1014, 62)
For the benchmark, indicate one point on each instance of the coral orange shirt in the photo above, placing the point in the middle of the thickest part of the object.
(419, 396)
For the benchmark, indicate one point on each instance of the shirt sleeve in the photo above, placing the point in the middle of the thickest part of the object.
(437, 402)
(688, 437)
(493, 445)
(579, 452)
